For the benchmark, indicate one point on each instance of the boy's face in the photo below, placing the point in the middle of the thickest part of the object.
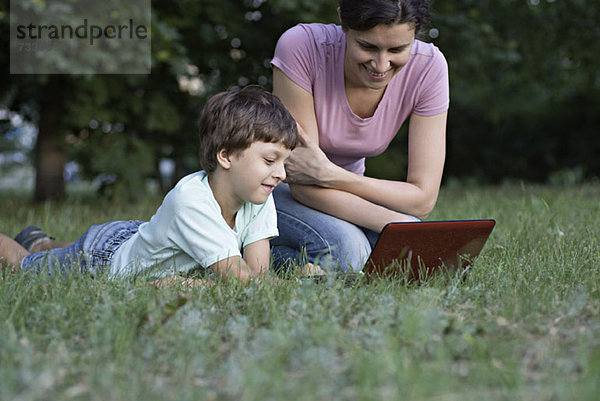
(257, 170)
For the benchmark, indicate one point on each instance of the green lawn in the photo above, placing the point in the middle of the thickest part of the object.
(523, 325)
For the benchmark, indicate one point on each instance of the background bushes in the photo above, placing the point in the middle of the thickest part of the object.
(525, 89)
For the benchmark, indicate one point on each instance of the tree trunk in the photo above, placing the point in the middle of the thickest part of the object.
(50, 153)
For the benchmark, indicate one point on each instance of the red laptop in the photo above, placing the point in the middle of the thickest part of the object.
(410, 249)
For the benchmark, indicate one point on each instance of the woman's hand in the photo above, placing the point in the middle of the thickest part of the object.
(307, 164)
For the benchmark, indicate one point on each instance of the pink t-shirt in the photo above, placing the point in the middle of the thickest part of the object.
(312, 55)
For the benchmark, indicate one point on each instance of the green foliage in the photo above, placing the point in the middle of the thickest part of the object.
(523, 324)
(524, 87)
(65, 37)
(524, 82)
(125, 162)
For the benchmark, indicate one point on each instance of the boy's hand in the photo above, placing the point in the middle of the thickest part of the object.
(312, 270)
(182, 281)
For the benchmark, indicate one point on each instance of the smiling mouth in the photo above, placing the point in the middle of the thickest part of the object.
(268, 188)
(374, 74)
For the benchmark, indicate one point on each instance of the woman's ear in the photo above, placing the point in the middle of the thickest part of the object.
(339, 12)
(224, 159)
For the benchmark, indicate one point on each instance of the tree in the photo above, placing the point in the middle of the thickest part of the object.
(524, 86)
(215, 44)
(523, 74)
(44, 96)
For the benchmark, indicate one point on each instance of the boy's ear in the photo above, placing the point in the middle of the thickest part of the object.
(224, 159)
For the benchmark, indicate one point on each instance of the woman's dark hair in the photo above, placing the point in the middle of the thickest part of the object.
(235, 119)
(362, 15)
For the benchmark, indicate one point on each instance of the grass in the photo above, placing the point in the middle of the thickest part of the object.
(523, 325)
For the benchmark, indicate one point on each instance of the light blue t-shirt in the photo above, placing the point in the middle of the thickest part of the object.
(188, 231)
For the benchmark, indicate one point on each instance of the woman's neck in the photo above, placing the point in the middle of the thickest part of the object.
(363, 101)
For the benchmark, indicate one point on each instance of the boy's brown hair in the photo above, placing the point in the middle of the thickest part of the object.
(234, 119)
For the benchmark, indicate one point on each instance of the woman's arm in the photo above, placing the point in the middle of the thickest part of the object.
(309, 166)
(299, 103)
(347, 206)
(417, 196)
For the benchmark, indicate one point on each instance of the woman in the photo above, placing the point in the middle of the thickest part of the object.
(350, 88)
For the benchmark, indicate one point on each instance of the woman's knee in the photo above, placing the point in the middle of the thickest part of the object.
(350, 248)
(330, 242)
(317, 237)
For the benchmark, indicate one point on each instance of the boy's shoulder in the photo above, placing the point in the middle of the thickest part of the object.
(190, 190)
(197, 179)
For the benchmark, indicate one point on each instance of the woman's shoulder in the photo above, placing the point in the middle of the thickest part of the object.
(425, 60)
(318, 34)
(427, 51)
(304, 51)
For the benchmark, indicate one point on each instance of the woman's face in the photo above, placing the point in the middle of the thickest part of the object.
(374, 56)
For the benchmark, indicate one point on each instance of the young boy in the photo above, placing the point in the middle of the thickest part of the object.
(220, 218)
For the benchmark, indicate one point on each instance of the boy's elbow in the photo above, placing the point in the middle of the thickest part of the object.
(239, 276)
(232, 268)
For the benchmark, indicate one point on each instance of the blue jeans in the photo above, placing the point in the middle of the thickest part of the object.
(91, 253)
(307, 235)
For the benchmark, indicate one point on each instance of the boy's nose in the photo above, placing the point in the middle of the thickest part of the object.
(279, 172)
